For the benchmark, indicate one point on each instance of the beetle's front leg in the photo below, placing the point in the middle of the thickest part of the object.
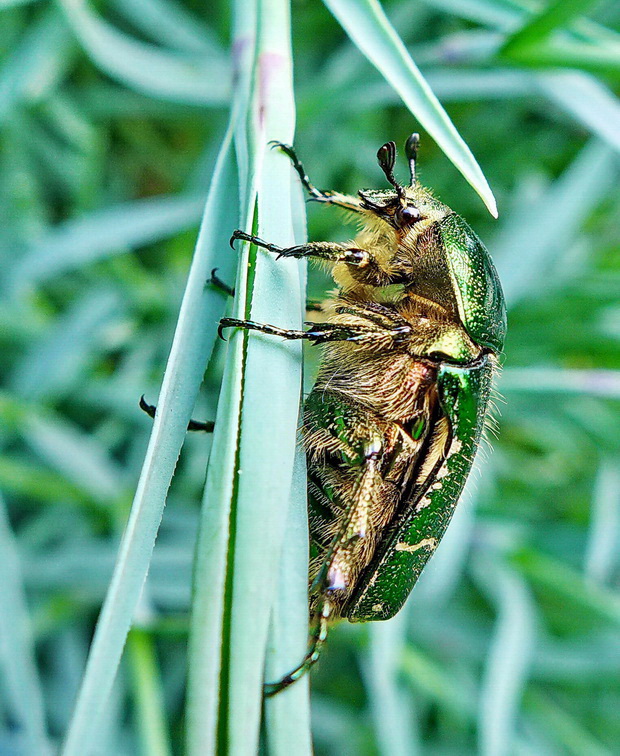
(346, 201)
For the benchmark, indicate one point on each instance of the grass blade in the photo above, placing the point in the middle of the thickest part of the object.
(192, 344)
(537, 235)
(391, 705)
(602, 549)
(147, 68)
(568, 584)
(17, 653)
(250, 472)
(103, 233)
(287, 715)
(539, 26)
(148, 694)
(508, 661)
(586, 99)
(551, 380)
(369, 28)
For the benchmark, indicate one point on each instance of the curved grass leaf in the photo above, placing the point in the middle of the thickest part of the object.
(171, 24)
(369, 28)
(192, 344)
(36, 64)
(144, 67)
(102, 233)
(17, 654)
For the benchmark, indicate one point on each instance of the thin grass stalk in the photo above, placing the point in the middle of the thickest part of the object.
(24, 694)
(287, 715)
(148, 694)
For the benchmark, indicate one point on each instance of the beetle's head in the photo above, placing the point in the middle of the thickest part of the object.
(404, 206)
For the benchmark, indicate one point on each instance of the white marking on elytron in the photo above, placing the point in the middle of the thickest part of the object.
(377, 607)
(442, 472)
(425, 501)
(431, 543)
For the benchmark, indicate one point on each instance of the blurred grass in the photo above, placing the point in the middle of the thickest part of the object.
(111, 119)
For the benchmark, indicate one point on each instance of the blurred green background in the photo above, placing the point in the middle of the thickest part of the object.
(110, 124)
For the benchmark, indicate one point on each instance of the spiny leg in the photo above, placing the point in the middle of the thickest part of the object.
(319, 333)
(319, 636)
(334, 573)
(329, 251)
(318, 195)
(193, 425)
(362, 263)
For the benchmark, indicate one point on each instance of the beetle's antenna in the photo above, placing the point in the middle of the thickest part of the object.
(386, 156)
(411, 151)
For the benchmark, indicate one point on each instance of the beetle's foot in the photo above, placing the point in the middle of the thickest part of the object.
(193, 425)
(216, 281)
(238, 234)
(314, 652)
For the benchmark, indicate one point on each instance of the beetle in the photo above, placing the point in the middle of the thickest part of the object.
(411, 342)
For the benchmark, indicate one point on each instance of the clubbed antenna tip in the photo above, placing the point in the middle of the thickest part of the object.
(386, 155)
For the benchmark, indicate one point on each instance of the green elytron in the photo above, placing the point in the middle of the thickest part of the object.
(391, 427)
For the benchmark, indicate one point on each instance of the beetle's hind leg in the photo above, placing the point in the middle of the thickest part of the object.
(319, 636)
(193, 425)
(317, 195)
(334, 574)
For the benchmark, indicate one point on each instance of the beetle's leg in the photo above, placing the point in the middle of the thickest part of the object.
(216, 281)
(363, 265)
(321, 333)
(336, 568)
(193, 425)
(334, 573)
(319, 636)
(317, 195)
(328, 251)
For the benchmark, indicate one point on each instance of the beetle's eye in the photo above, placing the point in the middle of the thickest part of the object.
(407, 216)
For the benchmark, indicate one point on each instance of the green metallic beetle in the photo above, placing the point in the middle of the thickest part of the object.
(411, 341)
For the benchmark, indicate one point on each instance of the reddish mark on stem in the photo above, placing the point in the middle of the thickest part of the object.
(270, 67)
